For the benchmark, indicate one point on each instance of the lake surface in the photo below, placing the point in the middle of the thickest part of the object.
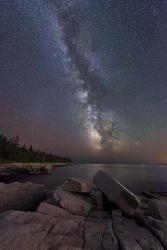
(134, 176)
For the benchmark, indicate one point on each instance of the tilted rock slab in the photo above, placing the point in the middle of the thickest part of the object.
(78, 185)
(21, 196)
(117, 193)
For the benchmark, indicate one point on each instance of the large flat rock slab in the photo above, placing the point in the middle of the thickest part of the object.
(21, 196)
(117, 193)
(30, 230)
(38, 231)
(98, 234)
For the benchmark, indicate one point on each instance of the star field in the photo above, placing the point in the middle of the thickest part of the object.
(86, 79)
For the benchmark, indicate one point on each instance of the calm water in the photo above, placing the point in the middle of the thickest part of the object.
(136, 177)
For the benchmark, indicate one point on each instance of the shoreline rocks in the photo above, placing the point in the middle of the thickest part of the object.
(21, 196)
(158, 209)
(74, 203)
(78, 185)
(117, 193)
(75, 220)
(30, 168)
(26, 168)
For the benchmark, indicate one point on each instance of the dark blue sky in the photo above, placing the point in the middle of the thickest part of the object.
(86, 79)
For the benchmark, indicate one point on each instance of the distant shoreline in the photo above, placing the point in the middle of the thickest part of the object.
(29, 168)
(119, 163)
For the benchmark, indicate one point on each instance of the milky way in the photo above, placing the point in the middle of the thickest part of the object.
(86, 79)
(84, 69)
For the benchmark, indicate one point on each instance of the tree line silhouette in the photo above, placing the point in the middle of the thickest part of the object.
(12, 151)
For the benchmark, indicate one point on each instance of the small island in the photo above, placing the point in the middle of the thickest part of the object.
(17, 159)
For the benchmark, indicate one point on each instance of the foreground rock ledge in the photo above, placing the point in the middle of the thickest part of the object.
(73, 221)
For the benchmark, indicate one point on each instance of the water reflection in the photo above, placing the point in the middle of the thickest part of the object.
(136, 177)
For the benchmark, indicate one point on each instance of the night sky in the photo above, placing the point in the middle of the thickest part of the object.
(86, 79)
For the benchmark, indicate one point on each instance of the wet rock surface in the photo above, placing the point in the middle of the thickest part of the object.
(74, 221)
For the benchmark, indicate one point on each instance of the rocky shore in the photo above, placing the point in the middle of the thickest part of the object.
(29, 168)
(81, 214)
